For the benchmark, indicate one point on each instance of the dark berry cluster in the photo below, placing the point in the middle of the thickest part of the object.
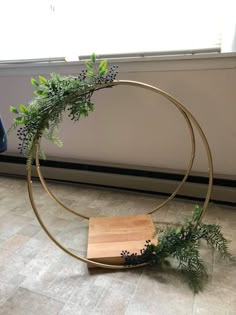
(82, 75)
(147, 255)
(81, 107)
(25, 135)
(22, 135)
(109, 77)
(131, 259)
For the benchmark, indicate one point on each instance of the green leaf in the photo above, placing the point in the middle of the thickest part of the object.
(40, 93)
(42, 80)
(102, 72)
(93, 58)
(13, 110)
(44, 93)
(90, 74)
(102, 66)
(178, 230)
(37, 93)
(23, 109)
(89, 65)
(34, 82)
(19, 120)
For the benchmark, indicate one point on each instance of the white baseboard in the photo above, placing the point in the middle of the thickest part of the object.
(156, 185)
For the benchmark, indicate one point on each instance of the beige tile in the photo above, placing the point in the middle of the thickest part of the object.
(55, 287)
(39, 241)
(3, 208)
(211, 310)
(75, 235)
(18, 201)
(54, 223)
(74, 309)
(45, 263)
(15, 242)
(48, 206)
(24, 302)
(161, 293)
(224, 276)
(215, 300)
(6, 290)
(131, 276)
(89, 291)
(29, 230)
(14, 263)
(115, 298)
(55, 278)
(10, 224)
(4, 254)
(225, 215)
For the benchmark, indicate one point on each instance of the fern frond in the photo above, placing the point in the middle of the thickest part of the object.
(183, 244)
(12, 128)
(214, 237)
(52, 137)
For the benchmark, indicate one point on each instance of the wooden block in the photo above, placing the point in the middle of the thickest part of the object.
(109, 236)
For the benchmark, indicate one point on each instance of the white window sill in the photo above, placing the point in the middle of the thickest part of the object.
(128, 65)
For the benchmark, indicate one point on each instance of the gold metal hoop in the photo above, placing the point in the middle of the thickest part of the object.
(189, 119)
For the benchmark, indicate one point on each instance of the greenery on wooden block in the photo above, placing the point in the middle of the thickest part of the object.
(183, 244)
(53, 97)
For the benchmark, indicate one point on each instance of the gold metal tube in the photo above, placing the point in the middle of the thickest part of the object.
(189, 119)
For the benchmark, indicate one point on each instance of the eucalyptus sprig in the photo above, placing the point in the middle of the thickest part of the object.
(55, 96)
(183, 244)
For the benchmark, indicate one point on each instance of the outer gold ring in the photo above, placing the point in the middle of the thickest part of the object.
(189, 119)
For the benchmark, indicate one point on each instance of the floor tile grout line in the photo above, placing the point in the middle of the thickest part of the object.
(40, 293)
(135, 290)
(193, 304)
(102, 295)
(106, 289)
(12, 293)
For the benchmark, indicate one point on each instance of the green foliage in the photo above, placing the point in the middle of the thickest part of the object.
(34, 82)
(42, 80)
(103, 67)
(23, 109)
(13, 110)
(54, 97)
(183, 244)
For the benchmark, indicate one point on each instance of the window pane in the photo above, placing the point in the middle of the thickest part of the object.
(47, 28)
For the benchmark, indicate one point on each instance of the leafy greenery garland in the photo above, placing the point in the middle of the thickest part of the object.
(72, 94)
(53, 97)
(183, 244)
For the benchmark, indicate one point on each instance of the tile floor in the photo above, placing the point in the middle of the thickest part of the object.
(38, 278)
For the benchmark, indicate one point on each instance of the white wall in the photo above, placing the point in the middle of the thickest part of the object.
(135, 127)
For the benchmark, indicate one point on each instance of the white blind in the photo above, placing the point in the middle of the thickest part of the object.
(53, 28)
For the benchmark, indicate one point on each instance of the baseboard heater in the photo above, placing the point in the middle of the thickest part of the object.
(149, 180)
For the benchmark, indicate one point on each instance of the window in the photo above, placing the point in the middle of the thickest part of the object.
(61, 28)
